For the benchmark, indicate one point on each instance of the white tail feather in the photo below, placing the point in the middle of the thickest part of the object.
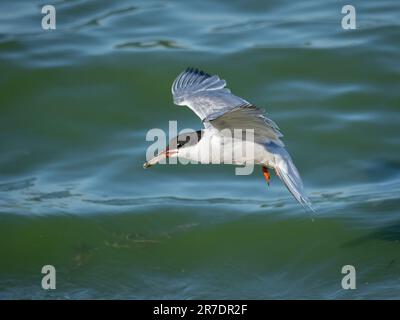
(289, 175)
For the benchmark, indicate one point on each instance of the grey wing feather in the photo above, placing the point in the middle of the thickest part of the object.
(247, 117)
(202, 93)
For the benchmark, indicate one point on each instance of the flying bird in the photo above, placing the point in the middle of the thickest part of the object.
(220, 112)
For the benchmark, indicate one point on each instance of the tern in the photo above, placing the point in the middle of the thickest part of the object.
(219, 110)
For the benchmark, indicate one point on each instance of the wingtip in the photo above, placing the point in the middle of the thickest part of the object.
(307, 205)
(194, 80)
(197, 71)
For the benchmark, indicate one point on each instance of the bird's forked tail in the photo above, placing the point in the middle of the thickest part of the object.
(287, 172)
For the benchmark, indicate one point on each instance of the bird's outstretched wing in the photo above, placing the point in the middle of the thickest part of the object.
(214, 104)
(202, 93)
(247, 117)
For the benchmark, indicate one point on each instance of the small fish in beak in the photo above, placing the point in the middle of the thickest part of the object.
(161, 156)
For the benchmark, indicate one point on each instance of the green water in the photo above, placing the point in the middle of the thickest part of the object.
(75, 106)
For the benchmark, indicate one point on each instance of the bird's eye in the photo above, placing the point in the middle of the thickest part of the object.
(182, 143)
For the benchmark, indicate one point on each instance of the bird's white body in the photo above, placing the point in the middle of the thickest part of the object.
(216, 148)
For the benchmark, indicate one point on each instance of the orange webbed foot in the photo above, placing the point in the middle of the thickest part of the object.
(267, 175)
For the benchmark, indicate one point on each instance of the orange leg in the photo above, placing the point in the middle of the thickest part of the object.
(267, 176)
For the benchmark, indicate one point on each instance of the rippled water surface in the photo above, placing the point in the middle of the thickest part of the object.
(75, 106)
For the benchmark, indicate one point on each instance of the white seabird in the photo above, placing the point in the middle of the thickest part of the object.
(220, 110)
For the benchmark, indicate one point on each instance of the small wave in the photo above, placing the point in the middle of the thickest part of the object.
(174, 200)
(167, 44)
(17, 185)
(99, 19)
(54, 195)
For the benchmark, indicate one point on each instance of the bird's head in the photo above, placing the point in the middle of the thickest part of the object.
(175, 147)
